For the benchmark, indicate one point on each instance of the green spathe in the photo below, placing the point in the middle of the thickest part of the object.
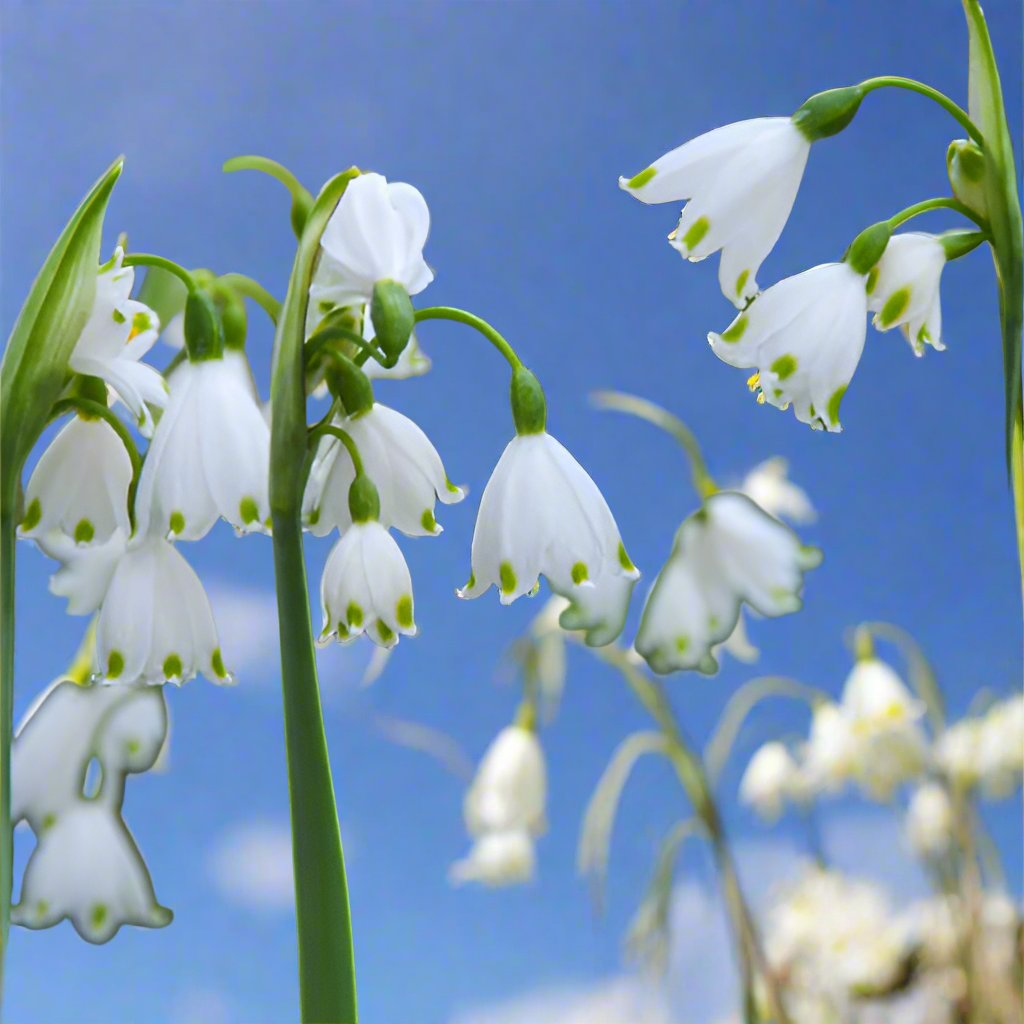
(393, 317)
(363, 500)
(204, 332)
(965, 165)
(828, 113)
(529, 409)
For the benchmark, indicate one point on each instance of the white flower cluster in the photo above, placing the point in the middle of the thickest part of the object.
(540, 512)
(85, 866)
(986, 751)
(804, 335)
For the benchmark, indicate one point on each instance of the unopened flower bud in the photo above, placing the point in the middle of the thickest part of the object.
(965, 164)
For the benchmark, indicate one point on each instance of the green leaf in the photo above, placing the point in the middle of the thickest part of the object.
(35, 363)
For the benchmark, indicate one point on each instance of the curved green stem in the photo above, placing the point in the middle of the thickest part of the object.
(690, 772)
(952, 108)
(331, 430)
(671, 424)
(741, 703)
(252, 289)
(97, 410)
(939, 203)
(146, 259)
(461, 316)
(320, 341)
(302, 200)
(327, 982)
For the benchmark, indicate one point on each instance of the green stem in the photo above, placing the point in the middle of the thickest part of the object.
(302, 201)
(671, 424)
(145, 259)
(897, 82)
(320, 341)
(327, 982)
(940, 203)
(330, 430)
(253, 290)
(461, 316)
(8, 525)
(690, 772)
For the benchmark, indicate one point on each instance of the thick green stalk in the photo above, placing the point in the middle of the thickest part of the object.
(326, 962)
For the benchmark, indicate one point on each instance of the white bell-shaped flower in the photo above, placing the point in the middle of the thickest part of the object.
(1001, 753)
(118, 333)
(740, 182)
(885, 724)
(210, 454)
(768, 485)
(738, 644)
(377, 232)
(124, 728)
(80, 484)
(599, 610)
(769, 780)
(830, 755)
(727, 553)
(509, 790)
(958, 752)
(542, 514)
(804, 336)
(402, 463)
(904, 289)
(366, 588)
(929, 823)
(155, 624)
(86, 867)
(504, 810)
(497, 859)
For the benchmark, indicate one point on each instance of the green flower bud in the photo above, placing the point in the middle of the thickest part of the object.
(828, 113)
(965, 164)
(867, 248)
(204, 333)
(529, 410)
(393, 317)
(348, 383)
(363, 500)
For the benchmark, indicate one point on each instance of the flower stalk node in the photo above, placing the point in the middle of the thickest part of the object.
(392, 316)
(867, 248)
(349, 384)
(828, 113)
(204, 330)
(529, 409)
(363, 500)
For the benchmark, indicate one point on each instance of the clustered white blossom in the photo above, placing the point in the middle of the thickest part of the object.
(804, 335)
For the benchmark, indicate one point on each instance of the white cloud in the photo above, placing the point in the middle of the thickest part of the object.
(251, 865)
(247, 627)
(200, 1006)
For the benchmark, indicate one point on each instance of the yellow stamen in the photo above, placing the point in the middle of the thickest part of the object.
(754, 381)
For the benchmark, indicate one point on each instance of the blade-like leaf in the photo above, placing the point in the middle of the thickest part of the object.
(35, 362)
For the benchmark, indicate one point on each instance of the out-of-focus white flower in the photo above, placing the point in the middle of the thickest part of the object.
(124, 728)
(86, 867)
(1001, 750)
(504, 810)
(366, 588)
(804, 336)
(832, 934)
(769, 780)
(740, 182)
(884, 721)
(930, 820)
(402, 463)
(904, 289)
(155, 622)
(542, 514)
(738, 644)
(958, 752)
(830, 755)
(377, 232)
(497, 859)
(728, 552)
(80, 484)
(769, 486)
(118, 333)
(210, 454)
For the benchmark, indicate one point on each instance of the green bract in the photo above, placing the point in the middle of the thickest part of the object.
(529, 410)
(363, 499)
(867, 248)
(204, 333)
(965, 164)
(348, 383)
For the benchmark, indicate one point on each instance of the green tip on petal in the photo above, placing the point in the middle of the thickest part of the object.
(403, 611)
(696, 232)
(115, 664)
(32, 515)
(427, 521)
(354, 615)
(624, 560)
(833, 405)
(173, 668)
(98, 915)
(579, 573)
(784, 367)
(641, 179)
(894, 307)
(508, 578)
(84, 531)
(385, 632)
(177, 522)
(217, 664)
(736, 329)
(249, 510)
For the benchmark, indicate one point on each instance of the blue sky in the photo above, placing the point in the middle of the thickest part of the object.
(514, 120)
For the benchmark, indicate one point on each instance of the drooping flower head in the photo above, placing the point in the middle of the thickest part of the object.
(79, 487)
(769, 486)
(118, 333)
(739, 183)
(728, 552)
(542, 514)
(769, 780)
(930, 820)
(804, 336)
